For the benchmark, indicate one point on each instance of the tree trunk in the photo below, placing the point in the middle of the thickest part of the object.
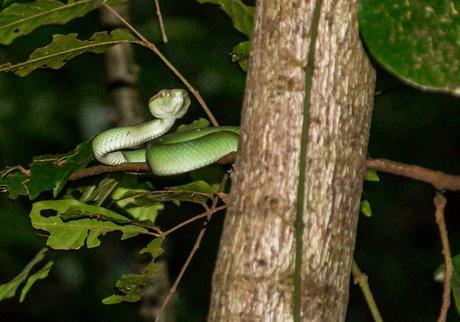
(254, 274)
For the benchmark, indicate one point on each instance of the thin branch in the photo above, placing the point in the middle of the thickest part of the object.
(189, 221)
(195, 247)
(361, 279)
(438, 179)
(160, 20)
(440, 203)
(138, 167)
(147, 44)
(99, 169)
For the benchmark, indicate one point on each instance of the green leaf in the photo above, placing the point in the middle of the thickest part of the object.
(8, 290)
(241, 14)
(15, 182)
(199, 186)
(240, 54)
(131, 286)
(40, 275)
(50, 172)
(440, 275)
(154, 249)
(20, 19)
(366, 208)
(372, 175)
(197, 124)
(72, 222)
(65, 47)
(415, 40)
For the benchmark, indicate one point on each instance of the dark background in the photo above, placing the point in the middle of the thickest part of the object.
(51, 111)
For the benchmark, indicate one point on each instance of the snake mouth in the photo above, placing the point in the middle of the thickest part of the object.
(169, 103)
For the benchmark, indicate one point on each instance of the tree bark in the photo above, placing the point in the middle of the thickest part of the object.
(254, 274)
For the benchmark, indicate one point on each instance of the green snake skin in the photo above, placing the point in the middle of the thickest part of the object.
(170, 154)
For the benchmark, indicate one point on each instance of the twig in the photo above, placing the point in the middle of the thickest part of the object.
(438, 179)
(147, 44)
(440, 203)
(160, 20)
(139, 167)
(361, 279)
(99, 169)
(194, 218)
(195, 247)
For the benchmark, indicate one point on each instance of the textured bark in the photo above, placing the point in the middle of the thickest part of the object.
(253, 278)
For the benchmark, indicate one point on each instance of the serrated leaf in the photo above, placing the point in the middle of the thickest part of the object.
(241, 14)
(371, 175)
(14, 182)
(50, 172)
(415, 40)
(8, 290)
(73, 223)
(197, 124)
(65, 47)
(240, 54)
(20, 19)
(41, 274)
(365, 208)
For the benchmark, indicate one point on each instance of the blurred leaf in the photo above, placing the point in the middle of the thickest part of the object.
(131, 285)
(65, 47)
(8, 290)
(40, 275)
(241, 14)
(455, 285)
(197, 124)
(72, 222)
(240, 54)
(14, 181)
(20, 19)
(415, 40)
(365, 208)
(148, 211)
(50, 172)
(372, 175)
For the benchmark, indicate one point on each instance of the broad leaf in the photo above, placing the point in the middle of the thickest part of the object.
(241, 14)
(9, 289)
(19, 19)
(50, 172)
(415, 40)
(65, 47)
(71, 223)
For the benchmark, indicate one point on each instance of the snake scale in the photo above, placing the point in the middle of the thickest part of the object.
(168, 154)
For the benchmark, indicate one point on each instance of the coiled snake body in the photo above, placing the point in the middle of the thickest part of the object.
(170, 154)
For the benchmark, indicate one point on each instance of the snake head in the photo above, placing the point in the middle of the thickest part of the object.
(169, 103)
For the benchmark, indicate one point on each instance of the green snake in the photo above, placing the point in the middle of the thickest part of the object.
(169, 154)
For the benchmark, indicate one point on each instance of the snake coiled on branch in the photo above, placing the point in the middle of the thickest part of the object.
(169, 154)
